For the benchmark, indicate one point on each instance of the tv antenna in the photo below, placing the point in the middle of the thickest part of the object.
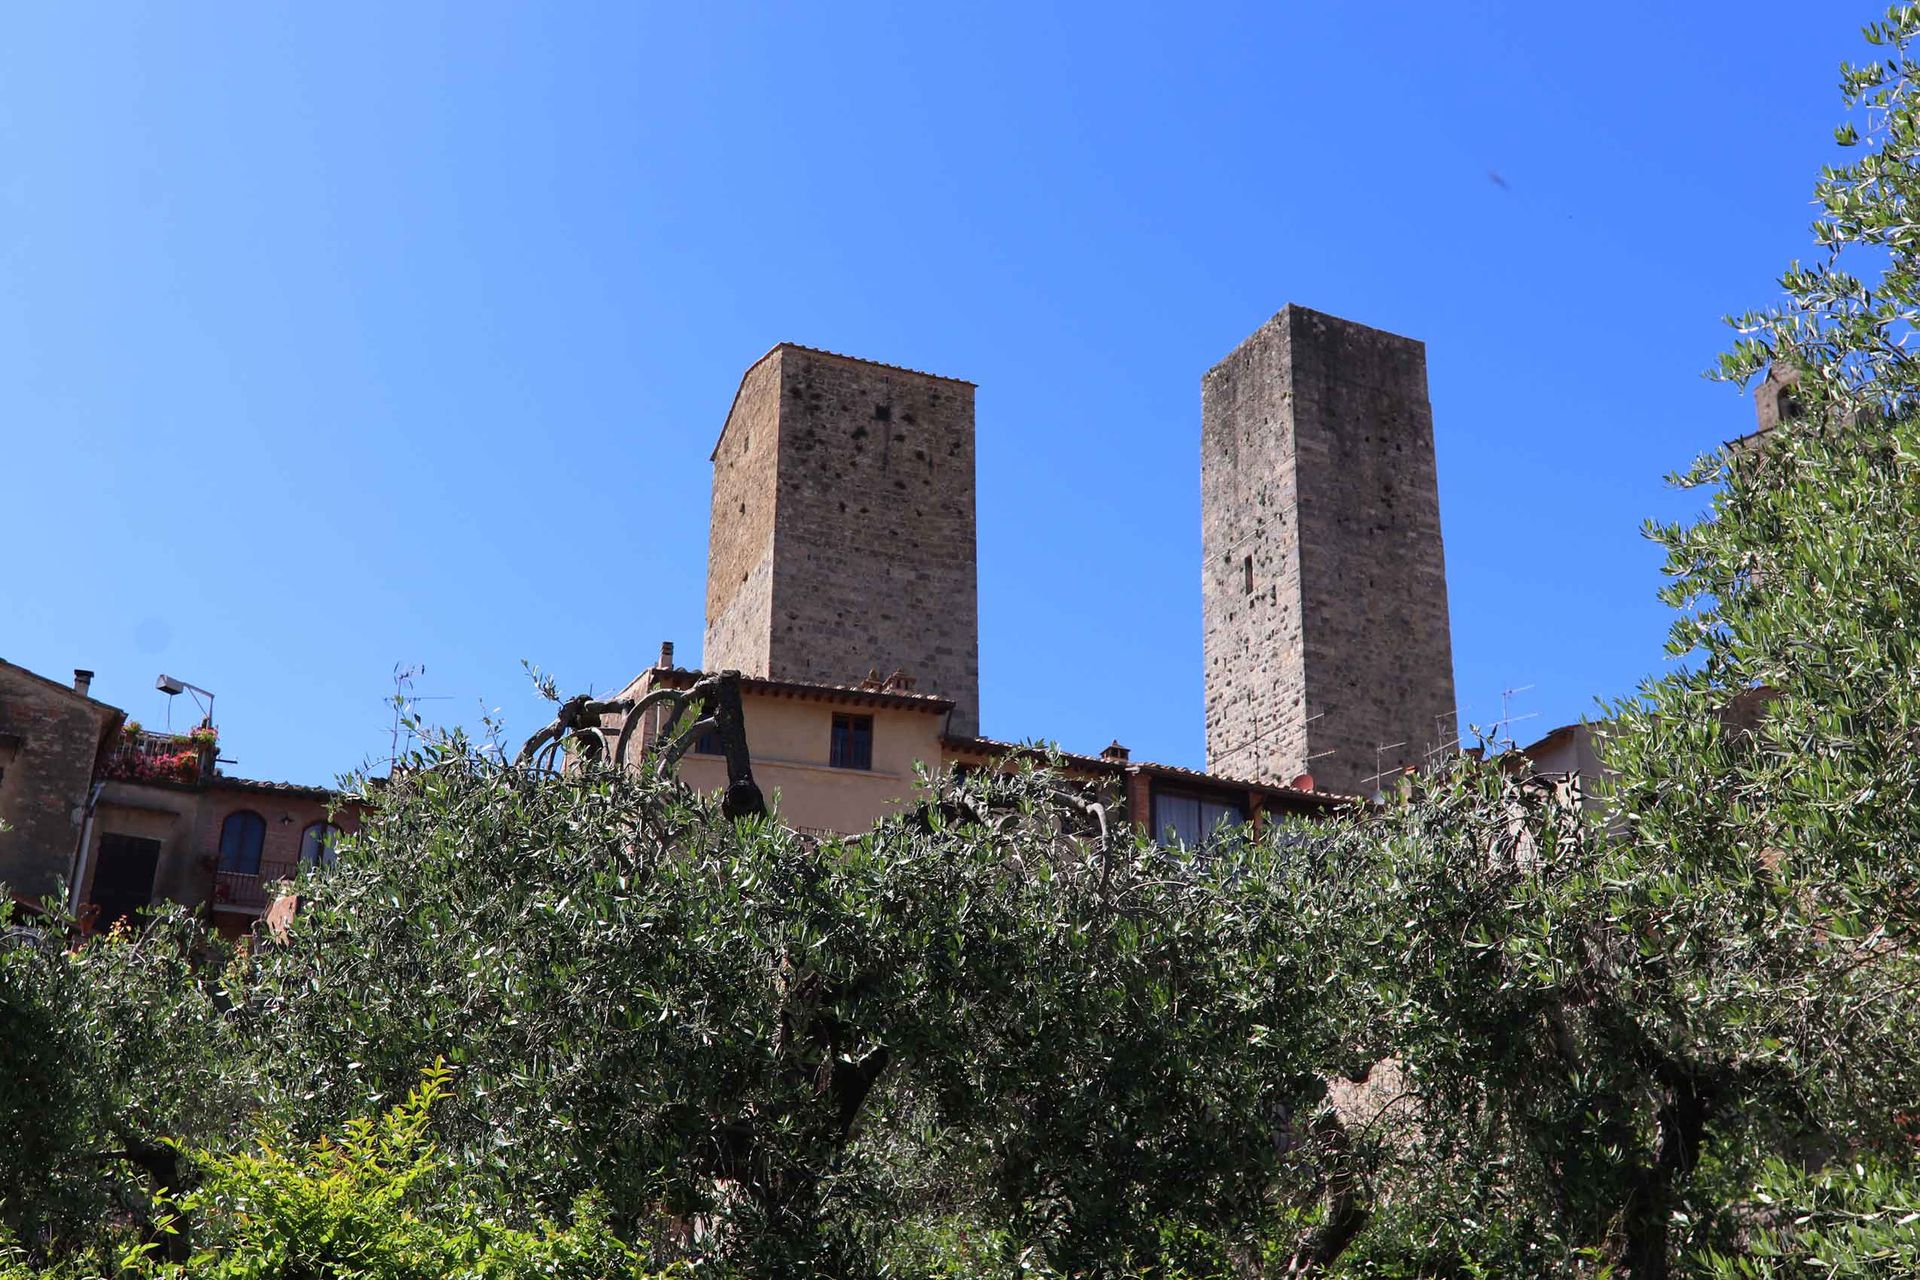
(1379, 753)
(1506, 715)
(1444, 742)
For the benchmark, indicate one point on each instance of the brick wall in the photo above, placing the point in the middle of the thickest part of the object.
(1324, 580)
(50, 740)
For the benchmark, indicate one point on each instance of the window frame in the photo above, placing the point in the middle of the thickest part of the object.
(850, 744)
(327, 843)
(233, 865)
(1207, 820)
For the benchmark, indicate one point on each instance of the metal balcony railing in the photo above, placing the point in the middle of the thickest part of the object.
(156, 757)
(238, 891)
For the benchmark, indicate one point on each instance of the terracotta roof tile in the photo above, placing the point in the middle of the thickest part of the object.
(684, 678)
(992, 746)
(283, 788)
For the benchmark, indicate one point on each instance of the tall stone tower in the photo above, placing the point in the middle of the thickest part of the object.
(842, 539)
(1324, 590)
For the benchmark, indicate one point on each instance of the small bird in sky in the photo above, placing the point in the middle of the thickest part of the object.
(1493, 176)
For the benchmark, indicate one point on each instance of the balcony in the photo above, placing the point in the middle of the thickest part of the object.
(158, 757)
(251, 894)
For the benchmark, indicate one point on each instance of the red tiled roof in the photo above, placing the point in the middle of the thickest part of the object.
(995, 747)
(1325, 799)
(991, 746)
(684, 678)
(282, 788)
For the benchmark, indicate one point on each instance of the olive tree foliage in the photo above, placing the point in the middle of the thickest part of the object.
(1633, 1043)
(774, 1049)
(108, 1051)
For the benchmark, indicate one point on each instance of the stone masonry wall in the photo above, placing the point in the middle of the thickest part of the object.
(874, 564)
(1318, 462)
(740, 535)
(1250, 558)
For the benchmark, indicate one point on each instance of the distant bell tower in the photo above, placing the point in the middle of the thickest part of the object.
(1324, 586)
(842, 539)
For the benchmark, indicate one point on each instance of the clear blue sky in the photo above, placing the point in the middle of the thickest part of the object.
(335, 337)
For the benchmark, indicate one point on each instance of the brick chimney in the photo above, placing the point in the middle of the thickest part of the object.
(1116, 753)
(82, 681)
(666, 653)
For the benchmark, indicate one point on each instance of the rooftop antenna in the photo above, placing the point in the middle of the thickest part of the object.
(1378, 752)
(1506, 697)
(1442, 741)
(1260, 733)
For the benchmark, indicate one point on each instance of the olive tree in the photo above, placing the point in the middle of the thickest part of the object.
(1610, 1032)
(767, 1046)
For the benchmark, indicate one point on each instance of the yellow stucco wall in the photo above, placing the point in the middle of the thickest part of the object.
(790, 740)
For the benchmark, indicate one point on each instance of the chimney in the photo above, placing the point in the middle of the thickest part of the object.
(1115, 752)
(1302, 783)
(82, 681)
(666, 653)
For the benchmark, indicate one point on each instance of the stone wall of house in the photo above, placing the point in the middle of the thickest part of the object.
(50, 742)
(872, 536)
(1324, 593)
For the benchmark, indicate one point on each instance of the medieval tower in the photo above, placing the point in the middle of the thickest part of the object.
(1324, 590)
(842, 540)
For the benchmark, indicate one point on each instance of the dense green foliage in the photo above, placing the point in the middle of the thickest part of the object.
(731, 1024)
(372, 1204)
(1489, 1029)
(107, 1051)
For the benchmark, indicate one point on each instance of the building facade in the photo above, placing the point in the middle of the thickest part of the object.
(837, 759)
(124, 818)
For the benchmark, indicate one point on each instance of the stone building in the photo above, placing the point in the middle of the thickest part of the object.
(842, 539)
(127, 818)
(841, 580)
(1323, 583)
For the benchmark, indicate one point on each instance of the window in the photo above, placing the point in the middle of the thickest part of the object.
(708, 744)
(241, 838)
(852, 742)
(123, 877)
(318, 845)
(1246, 568)
(1191, 820)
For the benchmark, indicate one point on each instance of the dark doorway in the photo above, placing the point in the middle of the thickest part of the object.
(123, 881)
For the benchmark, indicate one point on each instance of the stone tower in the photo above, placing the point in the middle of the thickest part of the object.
(842, 540)
(1324, 590)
